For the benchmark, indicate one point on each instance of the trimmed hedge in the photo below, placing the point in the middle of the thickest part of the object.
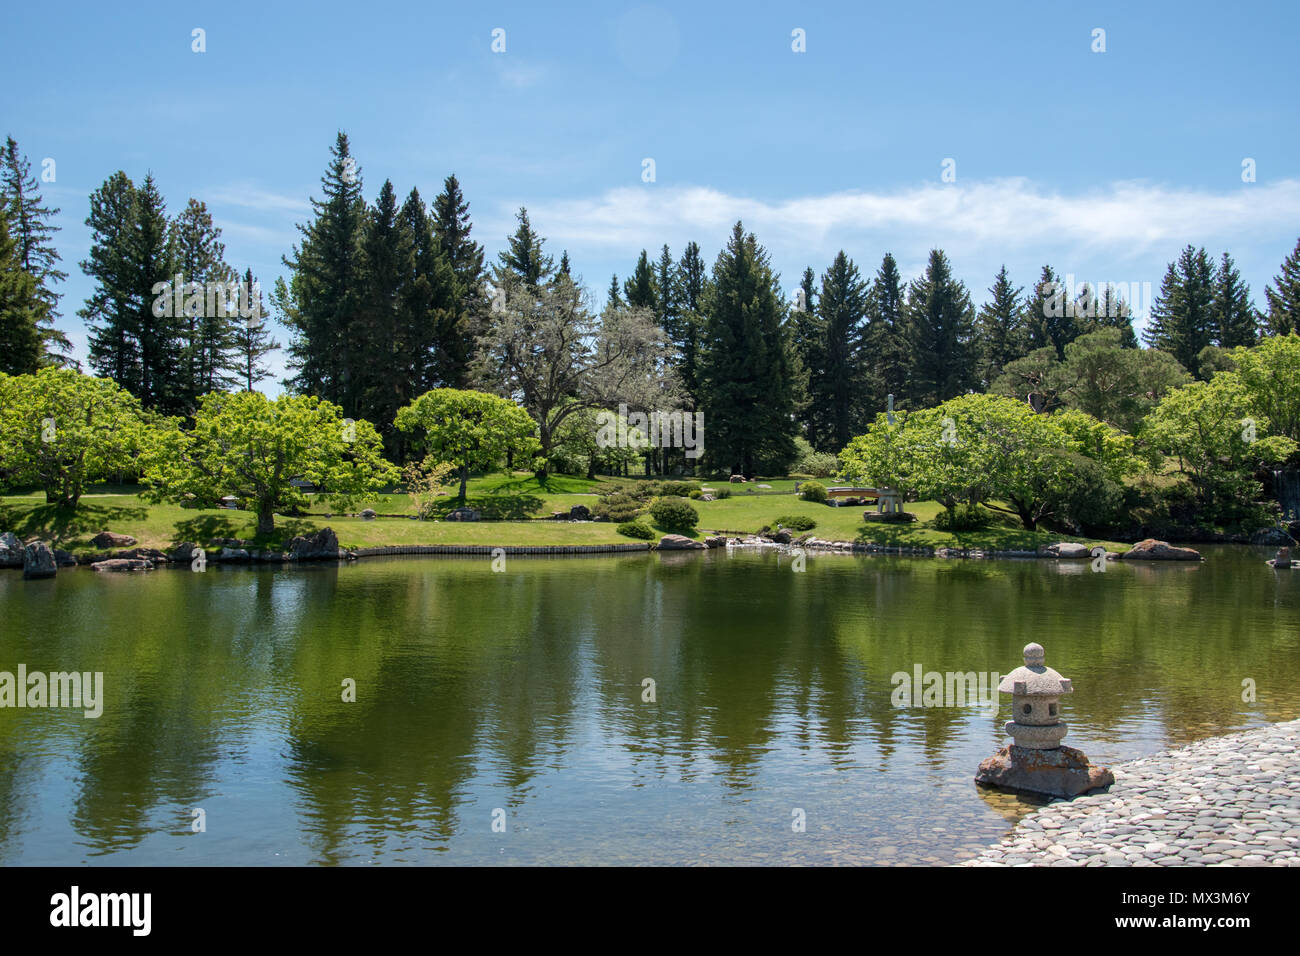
(674, 514)
(813, 491)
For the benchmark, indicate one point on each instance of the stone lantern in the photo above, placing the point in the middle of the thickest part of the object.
(1036, 762)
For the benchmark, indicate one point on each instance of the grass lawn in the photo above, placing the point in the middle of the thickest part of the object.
(519, 498)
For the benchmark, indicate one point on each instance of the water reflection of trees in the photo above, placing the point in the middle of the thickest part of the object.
(474, 686)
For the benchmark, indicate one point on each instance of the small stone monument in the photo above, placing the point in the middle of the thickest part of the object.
(1036, 762)
(1282, 560)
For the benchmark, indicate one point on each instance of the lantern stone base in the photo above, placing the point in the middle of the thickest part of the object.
(1060, 772)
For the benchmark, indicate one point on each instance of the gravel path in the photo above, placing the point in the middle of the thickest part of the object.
(1228, 801)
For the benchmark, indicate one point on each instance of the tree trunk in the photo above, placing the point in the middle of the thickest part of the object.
(265, 518)
(464, 481)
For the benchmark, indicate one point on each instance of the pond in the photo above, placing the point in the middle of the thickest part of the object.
(505, 717)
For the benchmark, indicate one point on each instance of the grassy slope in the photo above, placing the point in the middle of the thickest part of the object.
(520, 496)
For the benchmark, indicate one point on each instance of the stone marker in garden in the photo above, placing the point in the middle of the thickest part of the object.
(1036, 762)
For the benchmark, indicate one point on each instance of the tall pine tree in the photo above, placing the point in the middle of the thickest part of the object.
(941, 324)
(836, 386)
(21, 309)
(1001, 325)
(458, 332)
(1235, 320)
(207, 326)
(889, 356)
(32, 229)
(1284, 296)
(744, 371)
(323, 297)
(253, 341)
(1182, 316)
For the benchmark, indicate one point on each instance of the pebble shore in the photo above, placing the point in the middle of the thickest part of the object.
(1223, 801)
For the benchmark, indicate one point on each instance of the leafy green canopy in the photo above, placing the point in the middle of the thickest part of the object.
(61, 430)
(247, 446)
(468, 429)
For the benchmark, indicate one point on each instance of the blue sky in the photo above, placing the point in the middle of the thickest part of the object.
(1103, 164)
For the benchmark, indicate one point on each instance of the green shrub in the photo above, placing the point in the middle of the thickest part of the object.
(635, 529)
(617, 507)
(796, 522)
(813, 491)
(814, 464)
(696, 494)
(678, 489)
(673, 514)
(723, 492)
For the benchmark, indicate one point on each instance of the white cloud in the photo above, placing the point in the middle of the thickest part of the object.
(1008, 213)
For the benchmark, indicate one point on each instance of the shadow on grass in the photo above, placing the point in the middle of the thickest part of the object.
(496, 506)
(66, 527)
(206, 528)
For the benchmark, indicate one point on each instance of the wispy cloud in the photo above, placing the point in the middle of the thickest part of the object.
(1009, 213)
(246, 196)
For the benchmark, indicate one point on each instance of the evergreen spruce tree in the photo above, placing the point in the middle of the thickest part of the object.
(564, 270)
(207, 325)
(1001, 328)
(111, 312)
(667, 308)
(1182, 316)
(690, 287)
(888, 352)
(386, 367)
(323, 297)
(432, 307)
(456, 340)
(614, 297)
(135, 338)
(640, 290)
(21, 309)
(744, 375)
(32, 229)
(837, 404)
(1051, 317)
(253, 341)
(1114, 313)
(523, 260)
(1283, 297)
(941, 323)
(163, 384)
(1235, 319)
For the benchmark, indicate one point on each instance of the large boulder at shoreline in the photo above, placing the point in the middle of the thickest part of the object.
(38, 561)
(679, 542)
(183, 552)
(715, 541)
(233, 554)
(579, 513)
(1152, 550)
(123, 564)
(111, 539)
(11, 551)
(1067, 549)
(321, 546)
(1278, 537)
(464, 514)
(1060, 772)
(367, 514)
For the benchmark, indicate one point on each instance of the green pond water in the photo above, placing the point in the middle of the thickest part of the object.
(516, 698)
